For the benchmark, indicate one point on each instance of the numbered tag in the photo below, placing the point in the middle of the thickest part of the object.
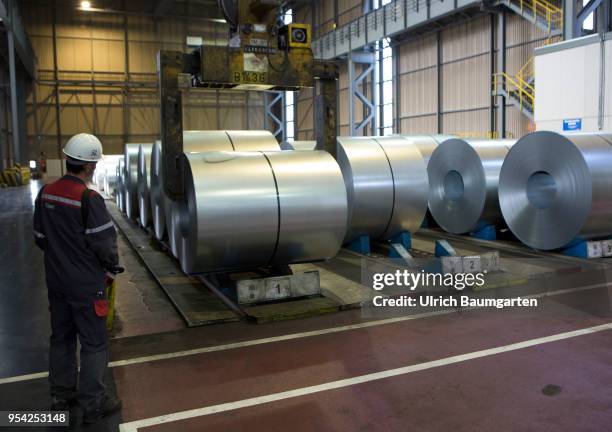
(452, 264)
(472, 264)
(606, 248)
(594, 249)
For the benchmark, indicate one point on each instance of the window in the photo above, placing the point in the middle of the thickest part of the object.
(385, 81)
(587, 24)
(289, 96)
(385, 87)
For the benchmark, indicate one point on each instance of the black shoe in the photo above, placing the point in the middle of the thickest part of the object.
(111, 405)
(63, 404)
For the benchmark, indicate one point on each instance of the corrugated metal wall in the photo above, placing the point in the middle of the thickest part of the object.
(100, 93)
(445, 77)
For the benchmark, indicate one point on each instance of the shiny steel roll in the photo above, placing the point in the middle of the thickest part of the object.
(200, 141)
(131, 180)
(245, 140)
(226, 221)
(463, 181)
(245, 210)
(313, 206)
(203, 141)
(386, 183)
(427, 143)
(171, 216)
(556, 188)
(144, 184)
(110, 179)
(156, 192)
(299, 145)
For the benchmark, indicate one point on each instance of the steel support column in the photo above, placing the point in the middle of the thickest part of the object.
(569, 19)
(368, 61)
(14, 98)
(501, 67)
(274, 114)
(325, 102)
(439, 59)
(3, 126)
(491, 73)
(58, 123)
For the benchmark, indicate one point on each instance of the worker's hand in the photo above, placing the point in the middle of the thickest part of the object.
(112, 272)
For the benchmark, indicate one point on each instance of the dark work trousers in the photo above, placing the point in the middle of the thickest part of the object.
(71, 317)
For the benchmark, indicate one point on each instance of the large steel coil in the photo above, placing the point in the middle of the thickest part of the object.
(386, 183)
(131, 180)
(463, 180)
(245, 210)
(554, 189)
(144, 184)
(427, 143)
(205, 141)
(209, 141)
(110, 179)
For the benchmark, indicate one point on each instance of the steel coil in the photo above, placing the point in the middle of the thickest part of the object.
(245, 210)
(244, 141)
(463, 183)
(386, 183)
(144, 184)
(110, 179)
(554, 189)
(198, 142)
(131, 180)
(427, 143)
(206, 141)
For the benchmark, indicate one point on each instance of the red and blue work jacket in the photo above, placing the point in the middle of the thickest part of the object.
(75, 231)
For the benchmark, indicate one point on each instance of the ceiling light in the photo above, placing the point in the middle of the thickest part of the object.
(85, 5)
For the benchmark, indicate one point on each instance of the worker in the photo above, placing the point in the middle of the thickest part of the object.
(74, 229)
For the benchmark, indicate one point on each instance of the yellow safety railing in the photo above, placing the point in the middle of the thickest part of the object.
(553, 15)
(516, 86)
(527, 72)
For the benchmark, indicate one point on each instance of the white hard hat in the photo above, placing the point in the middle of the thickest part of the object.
(84, 147)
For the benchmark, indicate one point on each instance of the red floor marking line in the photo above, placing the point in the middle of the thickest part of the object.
(199, 412)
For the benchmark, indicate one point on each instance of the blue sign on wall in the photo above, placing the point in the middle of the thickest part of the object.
(572, 124)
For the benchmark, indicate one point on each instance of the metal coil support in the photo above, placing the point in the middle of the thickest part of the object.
(555, 189)
(131, 180)
(386, 183)
(247, 210)
(463, 183)
(144, 184)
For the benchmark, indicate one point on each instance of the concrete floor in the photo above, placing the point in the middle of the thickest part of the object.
(396, 374)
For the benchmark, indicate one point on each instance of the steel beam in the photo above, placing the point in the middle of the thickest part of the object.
(169, 65)
(368, 61)
(501, 67)
(439, 60)
(583, 14)
(274, 114)
(569, 20)
(14, 98)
